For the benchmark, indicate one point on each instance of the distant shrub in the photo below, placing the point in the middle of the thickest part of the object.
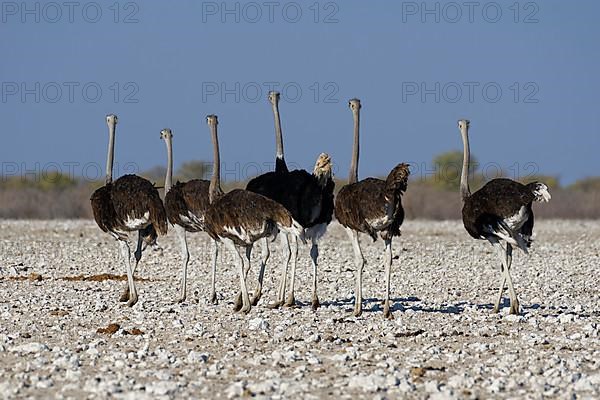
(194, 170)
(59, 196)
(46, 181)
(591, 184)
(155, 175)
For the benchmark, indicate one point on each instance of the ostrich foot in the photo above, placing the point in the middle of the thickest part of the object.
(181, 298)
(256, 298)
(237, 305)
(275, 305)
(132, 300)
(213, 298)
(245, 309)
(357, 309)
(514, 308)
(125, 295)
(386, 311)
(291, 301)
(315, 303)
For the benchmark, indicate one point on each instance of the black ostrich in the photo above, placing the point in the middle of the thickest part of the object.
(129, 204)
(240, 218)
(372, 206)
(309, 197)
(499, 211)
(186, 204)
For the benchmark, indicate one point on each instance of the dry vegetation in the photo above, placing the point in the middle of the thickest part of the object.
(422, 200)
(434, 197)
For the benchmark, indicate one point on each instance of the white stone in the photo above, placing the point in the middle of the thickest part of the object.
(194, 357)
(29, 348)
(161, 388)
(236, 389)
(258, 323)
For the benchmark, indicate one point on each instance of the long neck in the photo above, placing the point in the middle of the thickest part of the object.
(111, 153)
(353, 177)
(169, 176)
(465, 192)
(278, 133)
(215, 181)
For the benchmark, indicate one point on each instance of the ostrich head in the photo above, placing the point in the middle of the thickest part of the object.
(354, 104)
(212, 120)
(111, 120)
(323, 168)
(463, 124)
(166, 134)
(274, 97)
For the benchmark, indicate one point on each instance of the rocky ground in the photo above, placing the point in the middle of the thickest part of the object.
(63, 334)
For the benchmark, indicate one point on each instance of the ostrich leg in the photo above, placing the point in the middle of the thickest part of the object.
(314, 255)
(360, 263)
(388, 274)
(503, 254)
(126, 252)
(261, 274)
(503, 281)
(291, 301)
(138, 256)
(185, 256)
(215, 255)
(514, 301)
(285, 248)
(245, 298)
(238, 298)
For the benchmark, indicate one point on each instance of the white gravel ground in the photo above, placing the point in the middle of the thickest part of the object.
(445, 342)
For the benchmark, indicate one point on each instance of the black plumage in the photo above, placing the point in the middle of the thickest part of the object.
(280, 165)
(500, 211)
(298, 191)
(327, 202)
(309, 198)
(493, 204)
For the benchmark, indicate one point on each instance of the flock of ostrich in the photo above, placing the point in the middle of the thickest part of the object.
(298, 205)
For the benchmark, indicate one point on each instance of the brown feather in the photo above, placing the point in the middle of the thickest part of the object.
(129, 197)
(359, 204)
(253, 213)
(188, 197)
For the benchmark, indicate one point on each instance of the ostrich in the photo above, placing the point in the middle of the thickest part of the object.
(371, 206)
(240, 218)
(186, 203)
(130, 203)
(500, 210)
(308, 197)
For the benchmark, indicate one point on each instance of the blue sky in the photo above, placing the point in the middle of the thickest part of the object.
(527, 78)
